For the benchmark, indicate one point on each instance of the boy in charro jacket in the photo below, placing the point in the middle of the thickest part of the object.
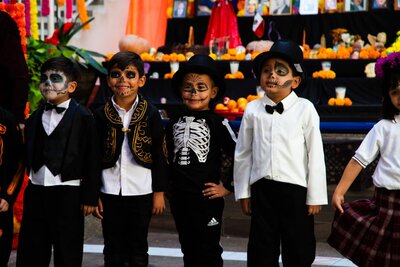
(11, 174)
(134, 164)
(64, 169)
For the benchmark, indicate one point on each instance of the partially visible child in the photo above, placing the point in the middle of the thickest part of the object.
(198, 141)
(279, 168)
(368, 231)
(64, 170)
(11, 175)
(134, 176)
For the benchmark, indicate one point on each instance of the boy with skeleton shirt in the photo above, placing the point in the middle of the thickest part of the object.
(64, 172)
(197, 141)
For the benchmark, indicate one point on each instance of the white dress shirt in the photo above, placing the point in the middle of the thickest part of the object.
(283, 147)
(126, 177)
(383, 139)
(43, 176)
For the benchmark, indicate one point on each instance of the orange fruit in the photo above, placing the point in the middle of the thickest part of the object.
(181, 57)
(242, 106)
(165, 58)
(348, 102)
(250, 98)
(229, 76)
(234, 110)
(339, 102)
(332, 101)
(219, 106)
(241, 100)
(231, 104)
(238, 75)
(173, 57)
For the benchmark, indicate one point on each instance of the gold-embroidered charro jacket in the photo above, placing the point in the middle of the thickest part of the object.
(145, 135)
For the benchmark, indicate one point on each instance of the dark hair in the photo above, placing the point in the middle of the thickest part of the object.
(389, 82)
(66, 65)
(124, 59)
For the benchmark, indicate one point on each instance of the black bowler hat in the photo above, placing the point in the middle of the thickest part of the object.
(286, 50)
(200, 64)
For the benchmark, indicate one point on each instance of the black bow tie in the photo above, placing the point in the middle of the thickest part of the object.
(278, 108)
(49, 106)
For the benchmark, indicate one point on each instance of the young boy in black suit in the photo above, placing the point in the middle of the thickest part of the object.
(64, 171)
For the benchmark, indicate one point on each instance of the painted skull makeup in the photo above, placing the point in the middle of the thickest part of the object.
(194, 84)
(52, 84)
(124, 82)
(280, 70)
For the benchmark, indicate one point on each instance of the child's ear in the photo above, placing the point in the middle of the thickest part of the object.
(214, 92)
(296, 82)
(72, 87)
(142, 81)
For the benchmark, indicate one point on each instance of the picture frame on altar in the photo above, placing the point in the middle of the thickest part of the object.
(204, 7)
(330, 5)
(379, 4)
(280, 7)
(251, 7)
(308, 7)
(355, 5)
(180, 9)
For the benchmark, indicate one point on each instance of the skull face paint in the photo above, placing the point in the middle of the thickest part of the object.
(53, 84)
(197, 90)
(125, 82)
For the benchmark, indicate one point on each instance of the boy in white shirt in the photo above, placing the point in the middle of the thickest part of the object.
(279, 169)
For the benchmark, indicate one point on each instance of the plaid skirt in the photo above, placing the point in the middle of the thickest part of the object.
(368, 232)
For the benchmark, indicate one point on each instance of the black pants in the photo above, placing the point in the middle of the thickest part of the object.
(279, 219)
(52, 219)
(198, 221)
(6, 236)
(125, 225)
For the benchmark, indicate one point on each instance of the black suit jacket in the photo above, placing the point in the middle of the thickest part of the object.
(81, 157)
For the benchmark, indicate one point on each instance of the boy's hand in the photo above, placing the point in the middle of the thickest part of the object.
(314, 209)
(98, 212)
(337, 201)
(3, 205)
(246, 206)
(87, 209)
(158, 203)
(215, 190)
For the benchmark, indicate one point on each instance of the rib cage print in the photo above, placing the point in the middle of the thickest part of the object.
(191, 134)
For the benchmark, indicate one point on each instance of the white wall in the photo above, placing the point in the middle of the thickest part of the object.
(106, 29)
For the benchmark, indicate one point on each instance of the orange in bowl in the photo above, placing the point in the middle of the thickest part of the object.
(231, 104)
(219, 106)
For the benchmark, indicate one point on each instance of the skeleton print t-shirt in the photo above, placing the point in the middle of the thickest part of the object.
(198, 145)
